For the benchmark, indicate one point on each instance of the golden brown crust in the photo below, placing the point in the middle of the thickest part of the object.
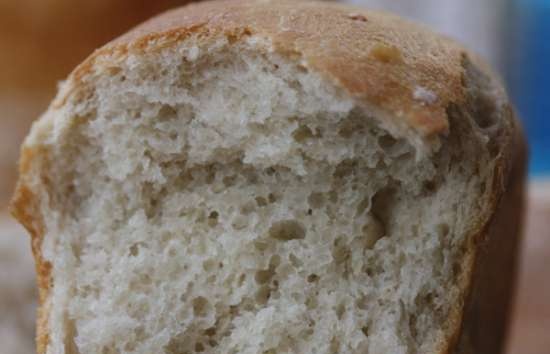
(406, 71)
(25, 208)
(492, 278)
(380, 60)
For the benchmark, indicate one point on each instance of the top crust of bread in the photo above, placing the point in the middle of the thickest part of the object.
(401, 70)
(405, 70)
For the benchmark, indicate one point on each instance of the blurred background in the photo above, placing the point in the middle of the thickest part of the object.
(42, 40)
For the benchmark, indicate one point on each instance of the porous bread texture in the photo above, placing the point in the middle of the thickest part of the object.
(222, 198)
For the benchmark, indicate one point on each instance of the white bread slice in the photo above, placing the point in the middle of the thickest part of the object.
(273, 177)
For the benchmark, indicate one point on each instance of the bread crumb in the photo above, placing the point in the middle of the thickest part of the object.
(193, 53)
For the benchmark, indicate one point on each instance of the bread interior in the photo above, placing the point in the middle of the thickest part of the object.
(223, 198)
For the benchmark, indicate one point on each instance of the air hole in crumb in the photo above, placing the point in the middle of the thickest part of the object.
(429, 186)
(274, 261)
(428, 299)
(287, 230)
(263, 276)
(210, 331)
(128, 347)
(369, 271)
(345, 168)
(302, 133)
(109, 350)
(166, 112)
(373, 230)
(340, 252)
(145, 279)
(248, 207)
(200, 306)
(333, 196)
(311, 303)
(348, 127)
(251, 177)
(134, 250)
(261, 201)
(261, 245)
(362, 303)
(382, 205)
(340, 310)
(295, 261)
(301, 68)
(482, 188)
(139, 333)
(334, 346)
(386, 142)
(316, 200)
(412, 326)
(176, 345)
(242, 278)
(229, 181)
(312, 278)
(272, 198)
(442, 230)
(406, 156)
(212, 343)
(213, 218)
(262, 295)
(210, 175)
(199, 348)
(457, 269)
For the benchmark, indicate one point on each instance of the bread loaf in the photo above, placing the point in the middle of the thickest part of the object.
(274, 177)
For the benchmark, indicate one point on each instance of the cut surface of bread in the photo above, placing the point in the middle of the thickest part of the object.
(214, 183)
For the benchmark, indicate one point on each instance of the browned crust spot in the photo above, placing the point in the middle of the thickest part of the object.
(25, 208)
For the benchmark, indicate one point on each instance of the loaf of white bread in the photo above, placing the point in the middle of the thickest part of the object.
(268, 177)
